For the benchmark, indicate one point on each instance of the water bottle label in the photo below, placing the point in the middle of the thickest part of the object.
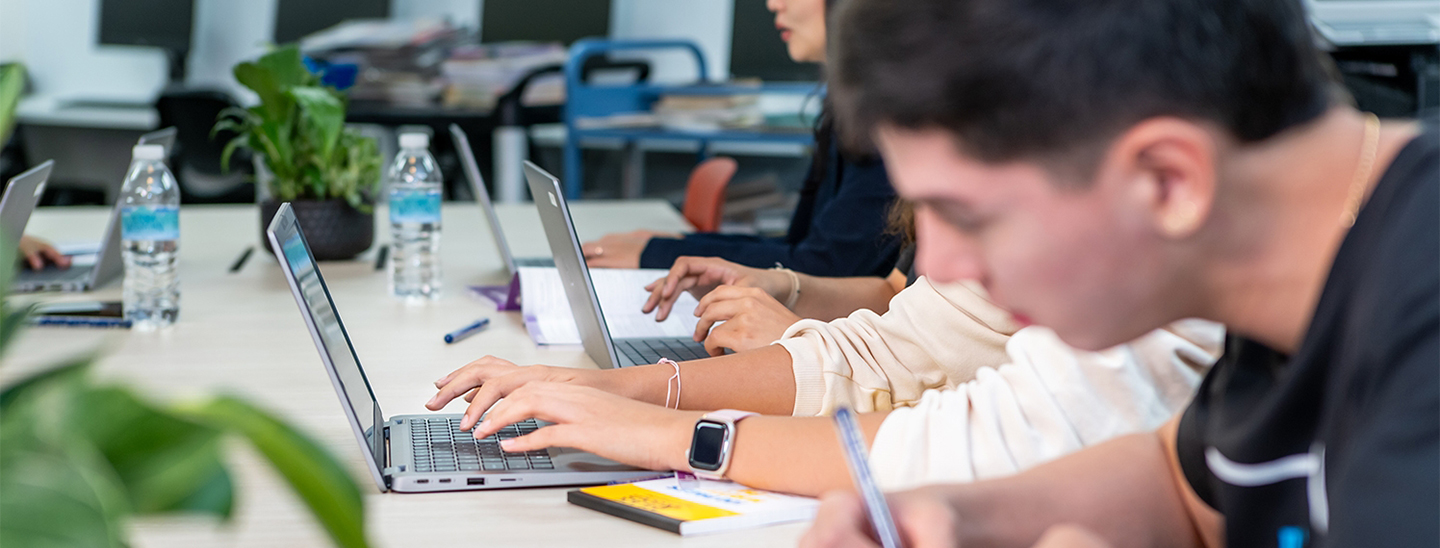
(414, 206)
(150, 223)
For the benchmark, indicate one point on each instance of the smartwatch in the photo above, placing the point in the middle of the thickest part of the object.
(713, 442)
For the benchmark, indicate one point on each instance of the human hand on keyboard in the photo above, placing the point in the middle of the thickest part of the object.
(486, 380)
(588, 419)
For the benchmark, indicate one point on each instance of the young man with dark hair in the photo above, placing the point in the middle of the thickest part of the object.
(1107, 166)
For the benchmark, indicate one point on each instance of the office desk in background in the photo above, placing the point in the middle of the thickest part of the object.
(242, 333)
(90, 143)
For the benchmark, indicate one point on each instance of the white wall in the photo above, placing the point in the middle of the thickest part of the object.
(63, 59)
(461, 13)
(227, 32)
(12, 30)
(707, 22)
(56, 39)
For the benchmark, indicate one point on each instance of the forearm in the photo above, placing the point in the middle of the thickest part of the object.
(799, 455)
(826, 299)
(1123, 490)
(759, 380)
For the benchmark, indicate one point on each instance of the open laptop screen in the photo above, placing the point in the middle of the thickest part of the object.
(329, 333)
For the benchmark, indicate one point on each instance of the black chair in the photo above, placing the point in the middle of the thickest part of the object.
(196, 158)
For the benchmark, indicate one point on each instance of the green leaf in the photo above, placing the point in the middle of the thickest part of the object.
(166, 463)
(287, 66)
(320, 480)
(55, 489)
(12, 84)
(54, 499)
(67, 372)
(229, 151)
(273, 101)
(324, 117)
(12, 319)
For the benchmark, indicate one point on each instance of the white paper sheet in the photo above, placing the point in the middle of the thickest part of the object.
(621, 291)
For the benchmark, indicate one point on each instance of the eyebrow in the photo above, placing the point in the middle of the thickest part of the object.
(946, 205)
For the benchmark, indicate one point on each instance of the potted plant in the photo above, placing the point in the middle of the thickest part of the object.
(305, 154)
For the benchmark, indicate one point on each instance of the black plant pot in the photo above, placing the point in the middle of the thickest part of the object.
(334, 230)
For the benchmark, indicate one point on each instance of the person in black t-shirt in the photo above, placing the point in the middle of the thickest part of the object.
(1107, 167)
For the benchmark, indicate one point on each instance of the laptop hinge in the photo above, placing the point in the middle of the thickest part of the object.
(385, 466)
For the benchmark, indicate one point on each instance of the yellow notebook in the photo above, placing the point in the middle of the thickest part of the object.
(705, 507)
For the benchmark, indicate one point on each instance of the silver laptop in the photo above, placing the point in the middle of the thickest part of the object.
(21, 195)
(482, 197)
(1376, 22)
(109, 263)
(580, 292)
(418, 453)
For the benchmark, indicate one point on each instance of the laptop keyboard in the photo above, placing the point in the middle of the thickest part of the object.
(440, 446)
(646, 351)
(53, 275)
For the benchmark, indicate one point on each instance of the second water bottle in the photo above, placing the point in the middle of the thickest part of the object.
(414, 184)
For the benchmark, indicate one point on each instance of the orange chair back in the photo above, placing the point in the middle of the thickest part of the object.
(705, 193)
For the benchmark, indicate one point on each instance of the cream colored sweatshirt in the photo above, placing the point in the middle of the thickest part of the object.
(968, 401)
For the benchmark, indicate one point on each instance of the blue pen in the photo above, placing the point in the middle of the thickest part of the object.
(459, 334)
(853, 442)
(80, 321)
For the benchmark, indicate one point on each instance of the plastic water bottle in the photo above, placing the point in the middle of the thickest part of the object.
(150, 240)
(414, 183)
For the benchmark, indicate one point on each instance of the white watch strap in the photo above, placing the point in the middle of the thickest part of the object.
(728, 415)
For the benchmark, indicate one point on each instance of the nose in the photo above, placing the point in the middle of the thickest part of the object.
(945, 254)
(774, 5)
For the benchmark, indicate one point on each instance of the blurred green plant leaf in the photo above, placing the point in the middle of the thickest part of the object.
(55, 489)
(12, 318)
(320, 480)
(324, 116)
(12, 84)
(166, 463)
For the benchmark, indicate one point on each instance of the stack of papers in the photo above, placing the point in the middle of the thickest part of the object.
(621, 291)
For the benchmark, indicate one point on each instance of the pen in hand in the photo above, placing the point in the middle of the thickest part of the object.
(460, 334)
(853, 442)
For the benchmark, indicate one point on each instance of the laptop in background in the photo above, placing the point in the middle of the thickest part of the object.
(482, 197)
(1376, 22)
(608, 353)
(21, 195)
(109, 263)
(419, 453)
(163, 137)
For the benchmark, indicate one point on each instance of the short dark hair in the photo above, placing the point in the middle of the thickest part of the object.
(1037, 79)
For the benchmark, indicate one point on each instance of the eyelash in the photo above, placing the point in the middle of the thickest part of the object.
(969, 224)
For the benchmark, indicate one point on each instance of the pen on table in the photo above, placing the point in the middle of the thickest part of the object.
(240, 262)
(380, 257)
(80, 321)
(459, 334)
(853, 442)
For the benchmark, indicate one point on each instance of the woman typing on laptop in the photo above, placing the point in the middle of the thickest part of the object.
(947, 392)
(838, 228)
(35, 252)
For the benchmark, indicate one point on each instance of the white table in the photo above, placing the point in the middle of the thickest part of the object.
(242, 333)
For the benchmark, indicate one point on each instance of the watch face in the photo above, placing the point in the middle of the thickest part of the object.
(707, 445)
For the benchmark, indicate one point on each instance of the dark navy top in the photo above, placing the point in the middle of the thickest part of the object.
(839, 227)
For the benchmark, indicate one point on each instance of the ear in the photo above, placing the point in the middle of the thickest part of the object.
(1169, 167)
